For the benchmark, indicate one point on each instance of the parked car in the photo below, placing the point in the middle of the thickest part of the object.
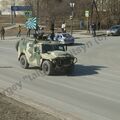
(114, 30)
(64, 38)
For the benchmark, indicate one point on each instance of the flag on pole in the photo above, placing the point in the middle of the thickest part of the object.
(31, 23)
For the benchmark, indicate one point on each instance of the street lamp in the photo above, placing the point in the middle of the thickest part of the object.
(13, 14)
(38, 11)
(72, 5)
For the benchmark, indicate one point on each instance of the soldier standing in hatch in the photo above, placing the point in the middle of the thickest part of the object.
(28, 32)
(2, 31)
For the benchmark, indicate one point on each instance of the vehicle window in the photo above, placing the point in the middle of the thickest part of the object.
(57, 37)
(60, 36)
(46, 48)
(37, 49)
(61, 48)
(67, 35)
(115, 27)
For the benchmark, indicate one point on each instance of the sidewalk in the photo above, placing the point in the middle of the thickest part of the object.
(13, 26)
(12, 38)
(86, 34)
(76, 33)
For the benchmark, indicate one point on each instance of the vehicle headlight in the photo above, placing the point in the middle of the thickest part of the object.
(54, 61)
(108, 31)
(114, 31)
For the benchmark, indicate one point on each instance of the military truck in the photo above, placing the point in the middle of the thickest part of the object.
(48, 56)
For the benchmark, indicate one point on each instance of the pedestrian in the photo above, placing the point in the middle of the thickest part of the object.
(81, 24)
(52, 36)
(19, 31)
(52, 27)
(94, 29)
(90, 28)
(63, 27)
(98, 25)
(28, 32)
(2, 33)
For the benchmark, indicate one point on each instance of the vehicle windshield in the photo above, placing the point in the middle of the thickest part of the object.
(47, 47)
(115, 27)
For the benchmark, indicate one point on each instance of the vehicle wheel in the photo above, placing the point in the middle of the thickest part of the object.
(70, 69)
(16, 46)
(47, 68)
(24, 62)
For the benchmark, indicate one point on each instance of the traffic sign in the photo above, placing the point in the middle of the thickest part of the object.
(21, 8)
(28, 14)
(87, 13)
(31, 23)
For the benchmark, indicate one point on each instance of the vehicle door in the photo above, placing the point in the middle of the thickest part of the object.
(37, 55)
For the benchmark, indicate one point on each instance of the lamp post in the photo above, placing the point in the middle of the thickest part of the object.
(72, 5)
(38, 11)
(13, 12)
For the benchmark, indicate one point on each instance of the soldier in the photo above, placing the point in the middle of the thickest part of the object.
(94, 29)
(28, 32)
(52, 36)
(2, 33)
(52, 27)
(19, 31)
(99, 25)
(63, 27)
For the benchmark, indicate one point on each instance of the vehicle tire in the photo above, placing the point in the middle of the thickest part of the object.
(16, 46)
(47, 67)
(70, 69)
(23, 62)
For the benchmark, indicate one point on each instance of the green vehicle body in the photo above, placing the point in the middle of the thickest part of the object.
(48, 56)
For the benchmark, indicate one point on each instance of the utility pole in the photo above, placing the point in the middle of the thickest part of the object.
(37, 11)
(72, 5)
(87, 17)
(12, 12)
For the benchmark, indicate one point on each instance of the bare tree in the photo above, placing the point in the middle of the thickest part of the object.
(109, 10)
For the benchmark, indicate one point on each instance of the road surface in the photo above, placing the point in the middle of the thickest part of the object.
(91, 92)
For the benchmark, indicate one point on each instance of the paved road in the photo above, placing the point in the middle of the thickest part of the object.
(90, 93)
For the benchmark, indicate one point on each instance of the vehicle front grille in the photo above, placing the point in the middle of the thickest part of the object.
(63, 61)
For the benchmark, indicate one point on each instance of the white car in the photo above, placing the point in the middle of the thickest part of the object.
(64, 38)
(114, 30)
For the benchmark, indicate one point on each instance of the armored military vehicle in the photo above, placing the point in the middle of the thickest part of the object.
(48, 56)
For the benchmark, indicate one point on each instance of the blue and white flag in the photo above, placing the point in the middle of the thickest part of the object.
(31, 23)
